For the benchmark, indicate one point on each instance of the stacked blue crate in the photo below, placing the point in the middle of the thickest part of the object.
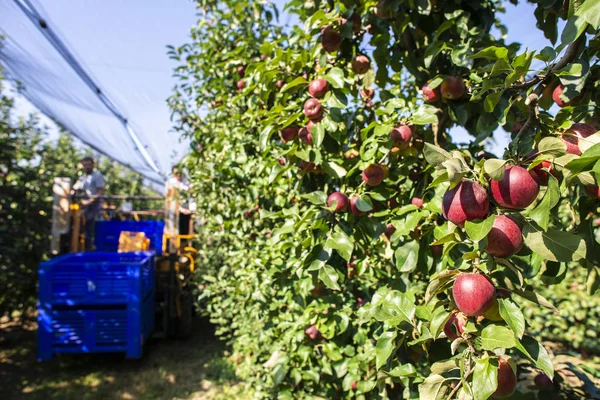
(96, 302)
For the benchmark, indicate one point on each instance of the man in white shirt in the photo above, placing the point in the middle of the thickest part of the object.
(91, 184)
(177, 183)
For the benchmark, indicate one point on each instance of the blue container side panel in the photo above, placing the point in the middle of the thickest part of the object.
(96, 278)
(108, 232)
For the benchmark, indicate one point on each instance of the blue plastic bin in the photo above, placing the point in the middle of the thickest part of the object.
(108, 232)
(85, 279)
(94, 330)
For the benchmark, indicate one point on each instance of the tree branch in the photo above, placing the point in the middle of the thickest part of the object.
(534, 113)
(439, 127)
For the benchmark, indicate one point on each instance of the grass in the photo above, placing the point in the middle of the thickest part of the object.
(196, 368)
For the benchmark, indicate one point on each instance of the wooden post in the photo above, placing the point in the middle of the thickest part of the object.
(61, 217)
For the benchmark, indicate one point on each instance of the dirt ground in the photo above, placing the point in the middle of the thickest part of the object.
(196, 368)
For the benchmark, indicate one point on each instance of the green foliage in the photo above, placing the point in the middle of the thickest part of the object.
(29, 162)
(278, 264)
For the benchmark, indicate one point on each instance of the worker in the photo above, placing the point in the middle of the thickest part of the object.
(91, 184)
(181, 187)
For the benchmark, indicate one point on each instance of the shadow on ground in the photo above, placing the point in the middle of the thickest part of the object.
(195, 368)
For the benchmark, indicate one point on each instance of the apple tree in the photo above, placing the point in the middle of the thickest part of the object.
(350, 246)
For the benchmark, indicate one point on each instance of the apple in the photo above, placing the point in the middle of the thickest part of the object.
(505, 238)
(473, 294)
(305, 135)
(572, 135)
(452, 88)
(353, 208)
(543, 382)
(339, 199)
(318, 88)
(240, 85)
(455, 326)
(312, 332)
(354, 385)
(361, 64)
(517, 189)
(369, 104)
(507, 379)
(541, 172)
(417, 201)
(367, 93)
(280, 84)
(330, 39)
(356, 23)
(373, 175)
(556, 96)
(430, 95)
(241, 70)
(592, 190)
(289, 133)
(389, 230)
(282, 161)
(401, 134)
(313, 109)
(465, 202)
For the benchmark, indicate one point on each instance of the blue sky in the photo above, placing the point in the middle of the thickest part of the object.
(122, 44)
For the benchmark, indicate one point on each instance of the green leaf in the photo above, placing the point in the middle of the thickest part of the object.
(407, 256)
(491, 100)
(384, 347)
(342, 243)
(492, 53)
(329, 277)
(590, 12)
(335, 77)
(299, 81)
(511, 313)
(554, 245)
(318, 134)
(585, 161)
(573, 69)
(435, 155)
(485, 379)
(541, 213)
(403, 370)
(433, 388)
(265, 135)
(479, 230)
(497, 337)
(534, 350)
(316, 197)
(439, 282)
(364, 203)
(426, 114)
(333, 169)
(495, 168)
(552, 146)
(536, 298)
(438, 320)
(574, 27)
(501, 66)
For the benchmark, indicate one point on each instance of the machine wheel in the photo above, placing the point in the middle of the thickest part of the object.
(184, 326)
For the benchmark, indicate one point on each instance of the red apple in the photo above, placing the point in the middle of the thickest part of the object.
(289, 133)
(241, 70)
(505, 238)
(517, 190)
(389, 230)
(401, 134)
(305, 135)
(541, 172)
(473, 294)
(543, 382)
(240, 84)
(507, 380)
(367, 93)
(280, 84)
(313, 109)
(353, 208)
(571, 137)
(282, 161)
(312, 332)
(465, 202)
(318, 88)
(330, 39)
(373, 175)
(361, 64)
(431, 95)
(556, 96)
(417, 201)
(452, 88)
(339, 199)
(455, 326)
(593, 191)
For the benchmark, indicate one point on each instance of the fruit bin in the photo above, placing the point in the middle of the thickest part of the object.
(108, 232)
